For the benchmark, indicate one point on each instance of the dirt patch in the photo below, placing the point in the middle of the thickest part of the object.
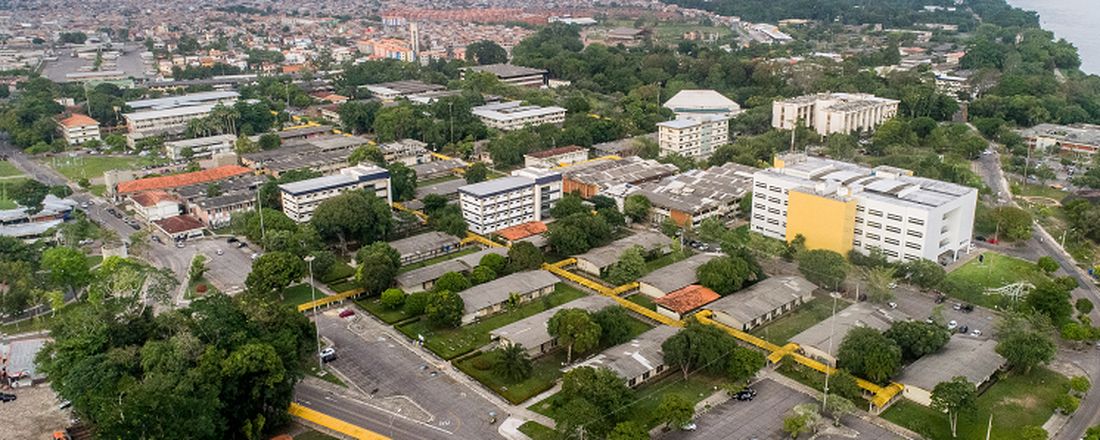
(1026, 402)
(34, 415)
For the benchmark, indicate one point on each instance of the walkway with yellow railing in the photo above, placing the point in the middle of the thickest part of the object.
(334, 423)
(881, 396)
(329, 299)
(419, 214)
(474, 238)
(559, 270)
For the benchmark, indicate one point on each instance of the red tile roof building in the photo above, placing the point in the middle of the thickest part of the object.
(683, 301)
(519, 232)
(178, 180)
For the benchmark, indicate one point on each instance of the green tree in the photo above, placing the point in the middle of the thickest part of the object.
(365, 154)
(637, 207)
(358, 116)
(393, 298)
(274, 271)
(744, 363)
(1083, 306)
(825, 268)
(725, 275)
(867, 353)
(952, 397)
(675, 410)
(698, 346)
(1013, 224)
(630, 267)
(801, 419)
(574, 329)
(512, 363)
(1032, 432)
(1025, 341)
(1052, 300)
(614, 325)
(524, 256)
(1079, 384)
(444, 309)
(838, 407)
(270, 141)
(1067, 404)
(918, 338)
(494, 262)
(402, 182)
(486, 52)
(568, 205)
(376, 272)
(922, 273)
(198, 267)
(477, 172)
(600, 388)
(1047, 264)
(353, 215)
(66, 268)
(415, 303)
(17, 277)
(452, 281)
(482, 275)
(628, 430)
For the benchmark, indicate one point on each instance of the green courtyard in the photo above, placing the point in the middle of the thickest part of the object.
(1015, 401)
(90, 167)
(805, 316)
(971, 281)
(450, 343)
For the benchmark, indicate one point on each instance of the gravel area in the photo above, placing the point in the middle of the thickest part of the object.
(34, 415)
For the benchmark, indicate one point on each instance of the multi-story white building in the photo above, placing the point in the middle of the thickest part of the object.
(78, 129)
(696, 137)
(513, 115)
(841, 206)
(200, 147)
(689, 103)
(188, 100)
(513, 74)
(525, 196)
(829, 113)
(171, 121)
(555, 157)
(301, 198)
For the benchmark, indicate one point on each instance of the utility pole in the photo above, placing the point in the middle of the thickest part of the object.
(832, 328)
(260, 209)
(313, 295)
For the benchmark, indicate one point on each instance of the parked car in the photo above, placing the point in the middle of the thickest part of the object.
(964, 330)
(346, 313)
(689, 426)
(158, 240)
(957, 306)
(5, 397)
(328, 354)
(745, 394)
(893, 305)
(220, 252)
(953, 324)
(967, 308)
(231, 240)
(975, 333)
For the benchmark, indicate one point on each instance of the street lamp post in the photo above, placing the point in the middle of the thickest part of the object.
(313, 295)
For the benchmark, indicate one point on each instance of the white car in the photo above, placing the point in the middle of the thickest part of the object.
(952, 324)
(328, 354)
(689, 426)
(220, 252)
(893, 305)
(975, 333)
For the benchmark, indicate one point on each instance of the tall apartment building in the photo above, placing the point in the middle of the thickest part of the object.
(301, 198)
(525, 196)
(513, 115)
(841, 206)
(829, 113)
(78, 129)
(695, 137)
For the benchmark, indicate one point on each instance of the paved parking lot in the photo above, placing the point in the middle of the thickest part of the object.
(762, 418)
(919, 305)
(372, 357)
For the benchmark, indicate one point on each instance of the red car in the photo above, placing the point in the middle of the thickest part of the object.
(346, 313)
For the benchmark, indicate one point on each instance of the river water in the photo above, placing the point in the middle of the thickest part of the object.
(1078, 21)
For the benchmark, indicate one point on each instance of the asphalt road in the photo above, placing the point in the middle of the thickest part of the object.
(762, 418)
(1041, 243)
(366, 416)
(380, 363)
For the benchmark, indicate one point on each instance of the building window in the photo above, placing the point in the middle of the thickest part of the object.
(875, 212)
(893, 229)
(894, 217)
(913, 233)
(871, 236)
(892, 241)
(916, 221)
(874, 224)
(912, 245)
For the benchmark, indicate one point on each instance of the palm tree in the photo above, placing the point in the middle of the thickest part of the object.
(512, 362)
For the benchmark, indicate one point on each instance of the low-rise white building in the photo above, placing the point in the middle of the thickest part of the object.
(78, 129)
(203, 147)
(513, 115)
(406, 151)
(301, 198)
(155, 205)
(829, 113)
(525, 196)
(696, 137)
(555, 157)
(689, 103)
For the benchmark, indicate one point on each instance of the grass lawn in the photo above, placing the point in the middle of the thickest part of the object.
(8, 170)
(299, 294)
(450, 343)
(786, 327)
(6, 186)
(343, 286)
(970, 281)
(90, 167)
(98, 190)
(340, 271)
(546, 371)
(538, 431)
(35, 324)
(374, 306)
(93, 259)
(642, 300)
(665, 260)
(1015, 401)
(436, 180)
(328, 377)
(468, 250)
(643, 408)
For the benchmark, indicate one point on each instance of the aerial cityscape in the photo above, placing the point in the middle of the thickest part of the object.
(575, 219)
